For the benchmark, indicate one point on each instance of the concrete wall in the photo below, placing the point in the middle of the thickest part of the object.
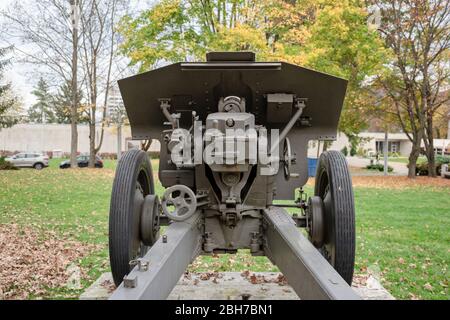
(340, 143)
(405, 148)
(51, 137)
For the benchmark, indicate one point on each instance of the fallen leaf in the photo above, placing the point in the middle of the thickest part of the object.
(428, 287)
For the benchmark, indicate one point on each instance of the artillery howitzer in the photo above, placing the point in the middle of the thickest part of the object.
(234, 136)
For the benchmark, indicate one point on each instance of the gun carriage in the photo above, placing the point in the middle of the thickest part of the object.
(234, 136)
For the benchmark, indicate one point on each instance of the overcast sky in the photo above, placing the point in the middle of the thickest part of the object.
(19, 74)
(15, 73)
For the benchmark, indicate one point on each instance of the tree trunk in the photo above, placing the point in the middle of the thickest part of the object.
(430, 147)
(431, 160)
(92, 124)
(92, 151)
(326, 145)
(74, 106)
(412, 160)
(119, 141)
(145, 145)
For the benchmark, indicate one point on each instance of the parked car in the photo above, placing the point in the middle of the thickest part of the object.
(83, 162)
(37, 161)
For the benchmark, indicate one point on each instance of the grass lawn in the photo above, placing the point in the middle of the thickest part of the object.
(403, 159)
(402, 233)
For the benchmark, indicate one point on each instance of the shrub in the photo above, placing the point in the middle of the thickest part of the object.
(393, 154)
(344, 151)
(361, 152)
(378, 167)
(443, 159)
(6, 165)
(422, 167)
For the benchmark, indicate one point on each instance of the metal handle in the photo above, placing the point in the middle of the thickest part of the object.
(185, 202)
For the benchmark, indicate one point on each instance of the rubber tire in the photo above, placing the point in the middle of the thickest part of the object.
(122, 208)
(333, 167)
(38, 166)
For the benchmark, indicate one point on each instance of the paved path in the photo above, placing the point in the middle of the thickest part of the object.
(236, 286)
(400, 169)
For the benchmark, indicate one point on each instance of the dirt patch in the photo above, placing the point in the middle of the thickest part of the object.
(255, 278)
(395, 182)
(360, 280)
(32, 261)
(109, 286)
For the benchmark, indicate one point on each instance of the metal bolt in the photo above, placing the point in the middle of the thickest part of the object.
(164, 238)
(132, 263)
(141, 263)
(130, 282)
(245, 296)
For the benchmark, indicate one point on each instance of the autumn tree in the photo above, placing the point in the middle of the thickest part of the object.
(341, 42)
(329, 35)
(418, 35)
(441, 121)
(182, 30)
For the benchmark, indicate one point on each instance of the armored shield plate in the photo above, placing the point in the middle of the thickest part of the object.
(199, 87)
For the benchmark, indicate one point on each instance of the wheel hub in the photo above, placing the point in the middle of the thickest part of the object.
(149, 220)
(183, 200)
(316, 221)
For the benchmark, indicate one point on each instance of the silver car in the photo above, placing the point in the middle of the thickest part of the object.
(29, 160)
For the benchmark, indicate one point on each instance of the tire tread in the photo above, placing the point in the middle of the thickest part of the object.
(119, 220)
(339, 175)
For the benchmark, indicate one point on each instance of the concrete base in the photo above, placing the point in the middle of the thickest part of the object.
(234, 286)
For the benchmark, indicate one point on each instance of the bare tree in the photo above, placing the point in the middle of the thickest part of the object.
(146, 144)
(99, 45)
(48, 34)
(74, 103)
(8, 100)
(418, 34)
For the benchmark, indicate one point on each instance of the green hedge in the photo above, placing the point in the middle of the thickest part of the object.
(378, 167)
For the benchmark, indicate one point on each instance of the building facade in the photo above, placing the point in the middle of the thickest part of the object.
(56, 138)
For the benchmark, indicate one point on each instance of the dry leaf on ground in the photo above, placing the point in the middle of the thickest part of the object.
(32, 261)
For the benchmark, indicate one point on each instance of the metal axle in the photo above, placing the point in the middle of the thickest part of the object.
(166, 262)
(309, 274)
(306, 270)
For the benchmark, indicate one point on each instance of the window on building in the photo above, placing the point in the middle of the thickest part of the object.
(393, 146)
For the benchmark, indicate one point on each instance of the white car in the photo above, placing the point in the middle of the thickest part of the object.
(29, 160)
